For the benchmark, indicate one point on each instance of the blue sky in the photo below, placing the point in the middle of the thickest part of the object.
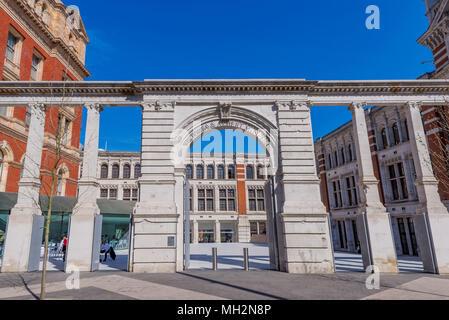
(199, 39)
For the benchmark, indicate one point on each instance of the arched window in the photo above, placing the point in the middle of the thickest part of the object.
(396, 136)
(342, 154)
(189, 172)
(260, 173)
(249, 172)
(126, 171)
(329, 161)
(137, 171)
(384, 138)
(199, 172)
(407, 137)
(231, 172)
(104, 171)
(210, 172)
(60, 183)
(221, 172)
(350, 155)
(115, 171)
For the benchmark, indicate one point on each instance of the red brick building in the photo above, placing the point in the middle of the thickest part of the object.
(41, 41)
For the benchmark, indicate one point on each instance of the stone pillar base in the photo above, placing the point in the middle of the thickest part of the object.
(23, 243)
(84, 241)
(307, 244)
(433, 241)
(244, 229)
(154, 243)
(376, 241)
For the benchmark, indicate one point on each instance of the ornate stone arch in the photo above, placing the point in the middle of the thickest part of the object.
(241, 119)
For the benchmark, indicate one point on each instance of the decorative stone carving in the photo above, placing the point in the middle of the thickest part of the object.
(225, 109)
(159, 106)
(292, 105)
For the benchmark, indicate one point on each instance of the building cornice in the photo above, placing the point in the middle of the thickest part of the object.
(311, 88)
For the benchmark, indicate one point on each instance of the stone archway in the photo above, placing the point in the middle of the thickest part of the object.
(169, 127)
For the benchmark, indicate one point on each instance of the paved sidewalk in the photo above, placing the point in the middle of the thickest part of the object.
(239, 285)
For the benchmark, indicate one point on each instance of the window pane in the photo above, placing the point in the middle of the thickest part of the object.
(189, 172)
(210, 205)
(260, 205)
(201, 193)
(252, 205)
(260, 193)
(231, 205)
(222, 193)
(104, 193)
(199, 172)
(137, 171)
(104, 171)
(231, 193)
(201, 206)
(223, 205)
(115, 171)
(220, 172)
(251, 193)
(210, 172)
(249, 172)
(209, 193)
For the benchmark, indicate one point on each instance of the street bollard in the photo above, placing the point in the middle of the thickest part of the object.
(214, 259)
(245, 259)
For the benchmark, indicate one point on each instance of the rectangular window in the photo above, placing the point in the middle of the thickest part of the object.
(135, 194)
(3, 110)
(35, 65)
(256, 200)
(397, 178)
(104, 193)
(11, 47)
(113, 194)
(337, 194)
(205, 200)
(126, 194)
(351, 191)
(227, 199)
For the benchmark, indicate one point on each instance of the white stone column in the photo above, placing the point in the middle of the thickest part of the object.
(179, 199)
(84, 239)
(155, 215)
(195, 231)
(244, 229)
(24, 233)
(373, 221)
(432, 217)
(305, 228)
(217, 231)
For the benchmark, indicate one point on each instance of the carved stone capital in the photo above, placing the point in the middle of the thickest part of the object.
(40, 107)
(157, 106)
(94, 107)
(417, 105)
(357, 106)
(292, 105)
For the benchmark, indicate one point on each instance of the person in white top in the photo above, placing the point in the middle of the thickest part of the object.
(105, 248)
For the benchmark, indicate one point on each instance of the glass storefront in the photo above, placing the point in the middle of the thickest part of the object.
(206, 232)
(3, 222)
(116, 230)
(228, 233)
